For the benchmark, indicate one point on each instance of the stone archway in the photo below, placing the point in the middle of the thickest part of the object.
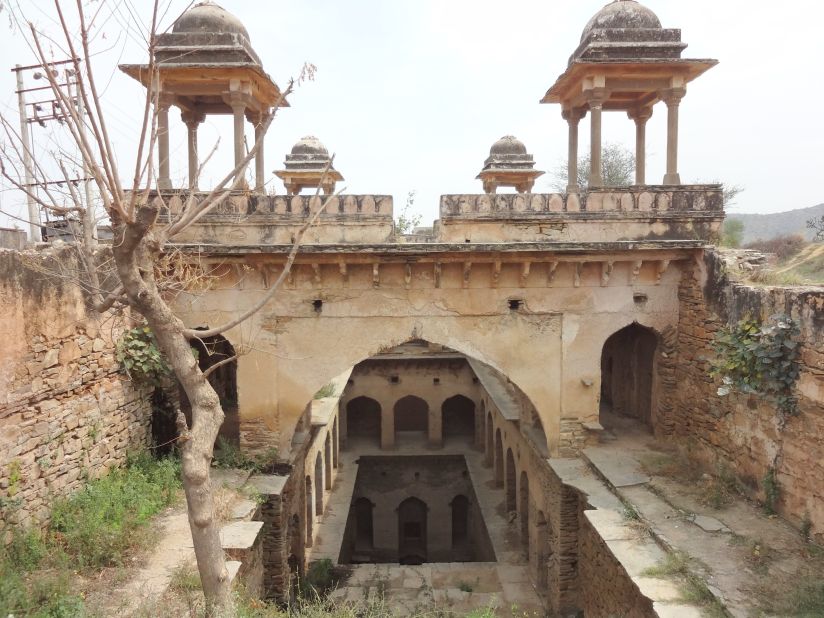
(458, 417)
(309, 511)
(327, 459)
(363, 419)
(543, 551)
(412, 531)
(460, 521)
(499, 460)
(627, 373)
(364, 526)
(511, 475)
(411, 415)
(489, 460)
(523, 509)
(319, 485)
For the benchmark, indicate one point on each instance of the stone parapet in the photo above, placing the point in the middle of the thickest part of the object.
(247, 218)
(598, 215)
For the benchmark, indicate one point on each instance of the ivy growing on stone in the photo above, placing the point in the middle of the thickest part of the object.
(759, 358)
(139, 356)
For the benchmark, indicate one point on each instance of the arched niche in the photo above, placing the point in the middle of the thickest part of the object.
(628, 373)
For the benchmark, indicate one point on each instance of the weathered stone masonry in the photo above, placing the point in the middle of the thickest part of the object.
(743, 431)
(66, 413)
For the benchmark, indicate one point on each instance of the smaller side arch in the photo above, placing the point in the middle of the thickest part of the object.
(511, 477)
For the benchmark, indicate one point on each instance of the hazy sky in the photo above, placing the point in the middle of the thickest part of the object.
(410, 94)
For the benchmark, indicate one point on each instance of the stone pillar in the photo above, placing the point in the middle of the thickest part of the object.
(672, 98)
(192, 120)
(164, 181)
(573, 117)
(239, 113)
(435, 425)
(260, 167)
(387, 427)
(640, 115)
(596, 102)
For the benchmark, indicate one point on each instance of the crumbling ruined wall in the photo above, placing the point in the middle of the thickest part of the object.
(741, 431)
(66, 413)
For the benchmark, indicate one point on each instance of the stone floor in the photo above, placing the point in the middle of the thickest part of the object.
(729, 545)
(457, 587)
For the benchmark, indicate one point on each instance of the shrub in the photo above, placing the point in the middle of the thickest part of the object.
(101, 522)
(783, 247)
(139, 356)
(759, 359)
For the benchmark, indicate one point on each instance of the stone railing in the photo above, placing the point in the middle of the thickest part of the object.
(643, 201)
(274, 207)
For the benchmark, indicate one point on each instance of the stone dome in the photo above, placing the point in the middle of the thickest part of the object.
(309, 145)
(208, 17)
(507, 145)
(627, 14)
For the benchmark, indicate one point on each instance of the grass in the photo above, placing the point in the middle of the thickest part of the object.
(328, 390)
(97, 527)
(805, 599)
(694, 589)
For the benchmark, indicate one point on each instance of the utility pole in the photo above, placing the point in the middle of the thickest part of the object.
(89, 221)
(25, 137)
(59, 114)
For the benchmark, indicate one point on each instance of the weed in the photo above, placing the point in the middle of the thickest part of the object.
(185, 578)
(465, 586)
(771, 491)
(319, 578)
(806, 527)
(229, 456)
(630, 513)
(328, 390)
(719, 490)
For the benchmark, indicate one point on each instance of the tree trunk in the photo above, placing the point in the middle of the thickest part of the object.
(135, 252)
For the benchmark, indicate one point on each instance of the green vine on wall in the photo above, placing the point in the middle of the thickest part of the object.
(760, 359)
(140, 357)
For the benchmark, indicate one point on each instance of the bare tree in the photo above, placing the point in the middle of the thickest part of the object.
(140, 244)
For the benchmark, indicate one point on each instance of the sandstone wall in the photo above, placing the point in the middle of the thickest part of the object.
(607, 589)
(66, 413)
(743, 431)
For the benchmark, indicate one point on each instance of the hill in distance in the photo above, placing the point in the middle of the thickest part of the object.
(765, 227)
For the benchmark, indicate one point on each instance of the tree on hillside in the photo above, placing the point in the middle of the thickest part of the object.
(732, 233)
(136, 275)
(617, 169)
(816, 224)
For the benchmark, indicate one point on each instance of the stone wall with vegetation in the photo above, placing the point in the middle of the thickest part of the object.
(778, 458)
(66, 413)
(607, 590)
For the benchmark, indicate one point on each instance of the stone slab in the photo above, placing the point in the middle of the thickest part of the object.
(636, 556)
(576, 474)
(610, 525)
(676, 610)
(231, 478)
(233, 567)
(268, 484)
(619, 469)
(708, 524)
(240, 535)
(244, 509)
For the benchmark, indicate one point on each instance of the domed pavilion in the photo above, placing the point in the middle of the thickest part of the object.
(626, 61)
(206, 65)
(309, 166)
(509, 165)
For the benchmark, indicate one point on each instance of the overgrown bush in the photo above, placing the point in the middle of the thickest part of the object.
(93, 528)
(229, 456)
(101, 522)
(759, 359)
(783, 247)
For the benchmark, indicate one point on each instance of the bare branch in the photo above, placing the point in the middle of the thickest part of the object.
(218, 365)
(192, 334)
